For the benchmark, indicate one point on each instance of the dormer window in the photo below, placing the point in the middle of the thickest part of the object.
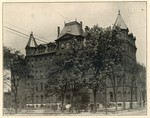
(62, 45)
(67, 45)
(69, 30)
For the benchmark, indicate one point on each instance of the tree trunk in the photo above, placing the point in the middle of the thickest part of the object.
(72, 104)
(62, 103)
(124, 107)
(143, 97)
(115, 91)
(140, 99)
(95, 106)
(116, 101)
(16, 105)
(131, 102)
(106, 100)
(49, 102)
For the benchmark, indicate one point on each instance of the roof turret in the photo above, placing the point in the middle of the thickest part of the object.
(120, 22)
(32, 41)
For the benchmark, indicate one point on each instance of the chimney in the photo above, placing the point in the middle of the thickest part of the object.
(81, 24)
(58, 31)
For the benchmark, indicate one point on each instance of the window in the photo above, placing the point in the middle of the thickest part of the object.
(32, 62)
(62, 46)
(36, 88)
(67, 45)
(41, 60)
(41, 74)
(41, 98)
(111, 96)
(119, 104)
(37, 98)
(42, 105)
(69, 29)
(41, 86)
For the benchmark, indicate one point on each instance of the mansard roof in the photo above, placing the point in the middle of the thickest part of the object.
(31, 42)
(120, 22)
(73, 28)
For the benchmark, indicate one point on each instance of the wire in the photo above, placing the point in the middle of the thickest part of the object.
(23, 33)
(25, 30)
(17, 27)
(35, 34)
(16, 33)
(19, 35)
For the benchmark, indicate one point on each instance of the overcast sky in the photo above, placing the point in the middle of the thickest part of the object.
(43, 19)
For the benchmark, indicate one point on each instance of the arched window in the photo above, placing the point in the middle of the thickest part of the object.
(41, 98)
(67, 45)
(111, 96)
(37, 98)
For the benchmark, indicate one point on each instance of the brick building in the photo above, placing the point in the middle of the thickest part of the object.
(39, 57)
(129, 61)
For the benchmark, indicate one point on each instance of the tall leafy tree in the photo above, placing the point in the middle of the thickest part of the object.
(95, 55)
(141, 84)
(137, 82)
(105, 53)
(114, 53)
(66, 73)
(15, 62)
(58, 83)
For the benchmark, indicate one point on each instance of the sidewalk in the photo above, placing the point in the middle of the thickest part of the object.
(132, 112)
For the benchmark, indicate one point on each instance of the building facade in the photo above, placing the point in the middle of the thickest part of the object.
(39, 58)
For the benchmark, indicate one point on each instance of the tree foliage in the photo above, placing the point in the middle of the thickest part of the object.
(89, 65)
(10, 55)
(15, 62)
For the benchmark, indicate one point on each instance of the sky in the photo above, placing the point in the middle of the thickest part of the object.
(44, 18)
